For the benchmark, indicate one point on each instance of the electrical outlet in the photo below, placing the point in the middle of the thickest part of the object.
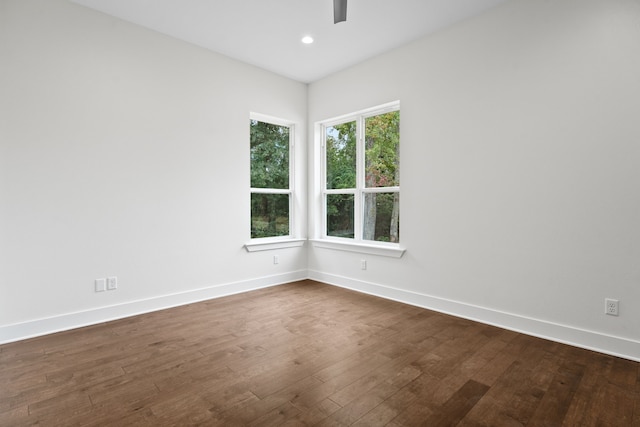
(611, 306)
(100, 285)
(363, 264)
(276, 259)
(112, 283)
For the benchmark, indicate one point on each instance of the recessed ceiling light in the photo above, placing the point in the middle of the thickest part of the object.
(307, 40)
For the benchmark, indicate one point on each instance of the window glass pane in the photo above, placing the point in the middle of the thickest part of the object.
(269, 215)
(382, 150)
(341, 155)
(340, 215)
(381, 214)
(269, 155)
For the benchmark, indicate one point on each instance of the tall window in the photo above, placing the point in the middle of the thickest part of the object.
(362, 176)
(271, 178)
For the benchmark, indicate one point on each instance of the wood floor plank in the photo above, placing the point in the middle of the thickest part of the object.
(276, 417)
(306, 353)
(414, 415)
(363, 403)
(555, 402)
(341, 378)
(513, 386)
(458, 405)
(62, 404)
(249, 411)
(527, 396)
(314, 414)
(496, 367)
(387, 410)
(121, 389)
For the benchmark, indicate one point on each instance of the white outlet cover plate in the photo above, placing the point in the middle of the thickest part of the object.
(611, 306)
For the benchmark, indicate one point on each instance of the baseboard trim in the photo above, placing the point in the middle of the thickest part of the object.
(590, 340)
(35, 328)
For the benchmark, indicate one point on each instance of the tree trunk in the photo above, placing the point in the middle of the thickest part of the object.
(395, 216)
(273, 215)
(394, 228)
(369, 217)
(369, 202)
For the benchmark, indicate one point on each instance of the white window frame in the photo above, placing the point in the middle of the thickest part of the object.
(290, 240)
(357, 243)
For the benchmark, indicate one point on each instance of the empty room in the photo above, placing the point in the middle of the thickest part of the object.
(318, 212)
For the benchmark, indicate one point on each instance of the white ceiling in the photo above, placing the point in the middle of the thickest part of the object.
(267, 33)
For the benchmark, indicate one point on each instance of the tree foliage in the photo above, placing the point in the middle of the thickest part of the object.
(269, 155)
(341, 174)
(269, 215)
(382, 144)
(341, 156)
(382, 169)
(269, 169)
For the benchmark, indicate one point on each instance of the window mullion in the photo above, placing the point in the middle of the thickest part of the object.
(341, 191)
(382, 190)
(360, 179)
(293, 231)
(323, 178)
(271, 191)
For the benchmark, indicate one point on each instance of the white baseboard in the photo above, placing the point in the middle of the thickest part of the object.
(615, 346)
(34, 328)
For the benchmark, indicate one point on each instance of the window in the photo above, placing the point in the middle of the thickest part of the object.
(361, 194)
(271, 177)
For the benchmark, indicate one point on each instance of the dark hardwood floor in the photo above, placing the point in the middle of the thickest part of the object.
(309, 354)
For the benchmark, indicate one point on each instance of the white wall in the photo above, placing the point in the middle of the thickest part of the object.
(520, 181)
(125, 153)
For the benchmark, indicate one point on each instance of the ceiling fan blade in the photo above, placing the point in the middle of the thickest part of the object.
(339, 11)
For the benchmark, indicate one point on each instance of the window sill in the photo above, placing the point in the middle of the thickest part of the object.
(381, 250)
(255, 246)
